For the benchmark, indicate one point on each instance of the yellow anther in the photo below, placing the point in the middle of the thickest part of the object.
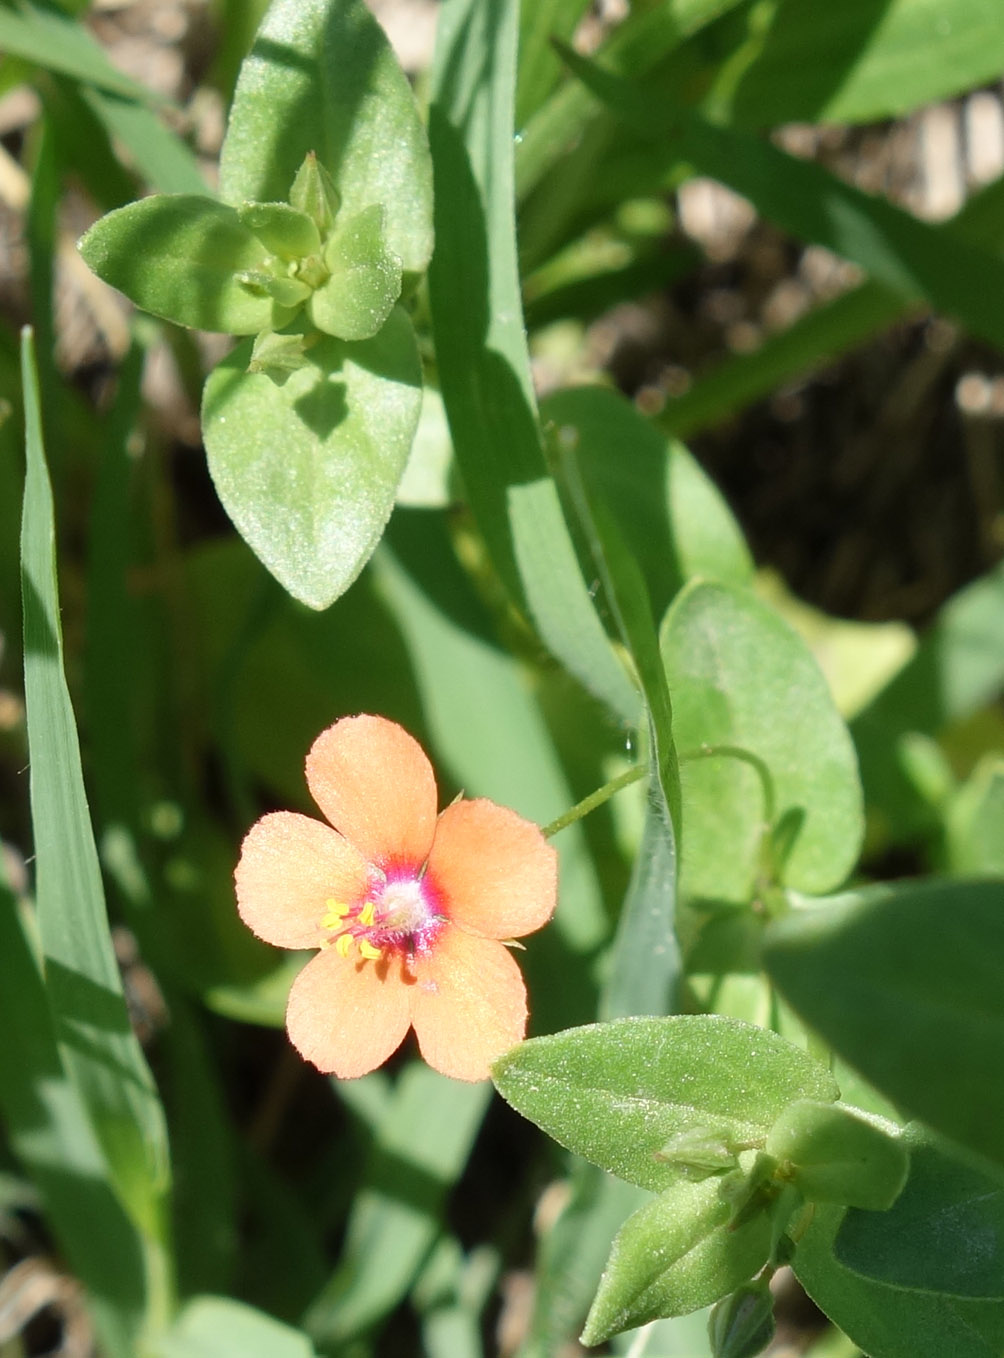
(368, 950)
(367, 914)
(337, 908)
(331, 920)
(342, 944)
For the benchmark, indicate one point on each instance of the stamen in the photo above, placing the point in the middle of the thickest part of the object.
(342, 944)
(369, 951)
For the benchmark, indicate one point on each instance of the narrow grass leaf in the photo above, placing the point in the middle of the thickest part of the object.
(645, 967)
(481, 345)
(50, 1133)
(166, 162)
(51, 40)
(905, 254)
(663, 502)
(221, 1327)
(422, 1144)
(92, 1023)
(853, 62)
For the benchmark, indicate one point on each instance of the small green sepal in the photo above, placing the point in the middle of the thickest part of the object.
(834, 1153)
(364, 282)
(700, 1151)
(288, 292)
(314, 194)
(279, 355)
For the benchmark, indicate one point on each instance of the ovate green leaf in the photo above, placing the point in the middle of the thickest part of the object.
(365, 279)
(322, 77)
(617, 1093)
(675, 1254)
(308, 470)
(839, 1154)
(907, 984)
(178, 255)
(888, 1322)
(944, 1234)
(744, 683)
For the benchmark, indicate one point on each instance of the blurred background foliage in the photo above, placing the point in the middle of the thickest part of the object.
(835, 367)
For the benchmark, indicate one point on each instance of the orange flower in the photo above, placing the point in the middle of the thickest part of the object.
(407, 908)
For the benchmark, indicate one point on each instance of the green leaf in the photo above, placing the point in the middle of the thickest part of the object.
(617, 1093)
(322, 77)
(674, 1255)
(974, 822)
(943, 1235)
(905, 254)
(666, 506)
(906, 983)
(744, 682)
(850, 63)
(281, 229)
(308, 470)
(96, 1039)
(645, 966)
(481, 349)
(838, 1154)
(646, 36)
(178, 255)
(957, 668)
(50, 1133)
(220, 1327)
(156, 152)
(423, 1139)
(58, 44)
(365, 278)
(888, 1322)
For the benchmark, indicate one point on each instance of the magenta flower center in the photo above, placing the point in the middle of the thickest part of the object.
(400, 912)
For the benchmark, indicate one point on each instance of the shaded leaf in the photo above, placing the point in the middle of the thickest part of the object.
(943, 1235)
(906, 983)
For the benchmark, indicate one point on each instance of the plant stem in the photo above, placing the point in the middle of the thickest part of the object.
(595, 799)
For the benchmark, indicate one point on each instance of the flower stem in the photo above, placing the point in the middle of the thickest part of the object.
(595, 799)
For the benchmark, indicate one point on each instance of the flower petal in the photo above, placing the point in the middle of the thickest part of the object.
(348, 1016)
(289, 867)
(374, 783)
(497, 872)
(468, 1004)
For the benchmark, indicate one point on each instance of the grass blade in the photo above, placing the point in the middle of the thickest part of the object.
(92, 1025)
(423, 1140)
(481, 345)
(50, 1133)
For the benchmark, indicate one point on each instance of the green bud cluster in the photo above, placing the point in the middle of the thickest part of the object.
(325, 273)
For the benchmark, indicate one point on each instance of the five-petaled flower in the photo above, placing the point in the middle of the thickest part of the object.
(408, 908)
